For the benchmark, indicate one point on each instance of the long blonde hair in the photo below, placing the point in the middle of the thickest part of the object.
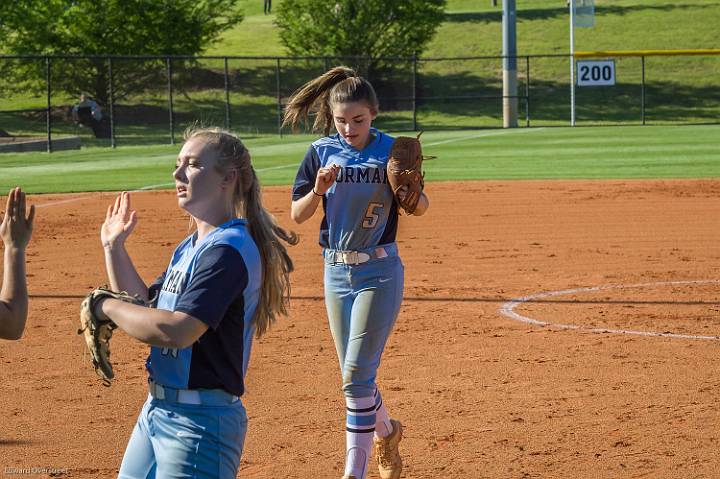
(247, 202)
(338, 85)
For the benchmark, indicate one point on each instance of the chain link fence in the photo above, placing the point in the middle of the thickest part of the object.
(151, 100)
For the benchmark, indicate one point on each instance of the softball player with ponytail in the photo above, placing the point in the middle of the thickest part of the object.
(363, 272)
(226, 282)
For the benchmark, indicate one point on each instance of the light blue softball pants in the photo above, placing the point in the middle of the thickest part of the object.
(174, 441)
(363, 302)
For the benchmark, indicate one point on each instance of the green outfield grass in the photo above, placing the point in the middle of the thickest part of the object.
(678, 89)
(528, 153)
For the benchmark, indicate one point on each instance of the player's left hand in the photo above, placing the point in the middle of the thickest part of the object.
(16, 228)
(97, 328)
(422, 203)
(402, 193)
(119, 222)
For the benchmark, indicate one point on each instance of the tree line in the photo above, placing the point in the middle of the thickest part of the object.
(374, 29)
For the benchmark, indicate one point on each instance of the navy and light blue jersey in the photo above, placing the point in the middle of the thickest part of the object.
(360, 208)
(216, 280)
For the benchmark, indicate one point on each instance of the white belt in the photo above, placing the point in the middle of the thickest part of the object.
(354, 257)
(185, 396)
(191, 396)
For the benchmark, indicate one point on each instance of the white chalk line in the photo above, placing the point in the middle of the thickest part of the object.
(60, 202)
(482, 135)
(507, 309)
(145, 188)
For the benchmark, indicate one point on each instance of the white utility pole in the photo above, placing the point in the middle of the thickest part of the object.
(571, 3)
(510, 98)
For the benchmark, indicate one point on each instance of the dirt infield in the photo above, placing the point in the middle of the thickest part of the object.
(482, 394)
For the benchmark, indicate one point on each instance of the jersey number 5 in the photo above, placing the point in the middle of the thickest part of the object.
(372, 215)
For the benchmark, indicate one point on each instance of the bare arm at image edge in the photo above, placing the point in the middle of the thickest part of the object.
(15, 230)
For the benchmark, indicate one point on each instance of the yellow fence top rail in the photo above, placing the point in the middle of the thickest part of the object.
(647, 53)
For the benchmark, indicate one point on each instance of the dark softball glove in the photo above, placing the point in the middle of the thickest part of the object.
(97, 332)
(404, 169)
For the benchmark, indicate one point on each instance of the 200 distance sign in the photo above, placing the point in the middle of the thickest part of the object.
(596, 73)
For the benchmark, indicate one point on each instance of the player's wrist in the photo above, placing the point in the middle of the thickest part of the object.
(110, 247)
(99, 309)
(316, 193)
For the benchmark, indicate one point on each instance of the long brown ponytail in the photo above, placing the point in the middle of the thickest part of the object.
(276, 263)
(338, 85)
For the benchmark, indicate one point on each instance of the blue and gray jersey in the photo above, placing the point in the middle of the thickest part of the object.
(360, 208)
(216, 280)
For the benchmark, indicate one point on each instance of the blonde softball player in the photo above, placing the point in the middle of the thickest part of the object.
(15, 230)
(226, 282)
(363, 272)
